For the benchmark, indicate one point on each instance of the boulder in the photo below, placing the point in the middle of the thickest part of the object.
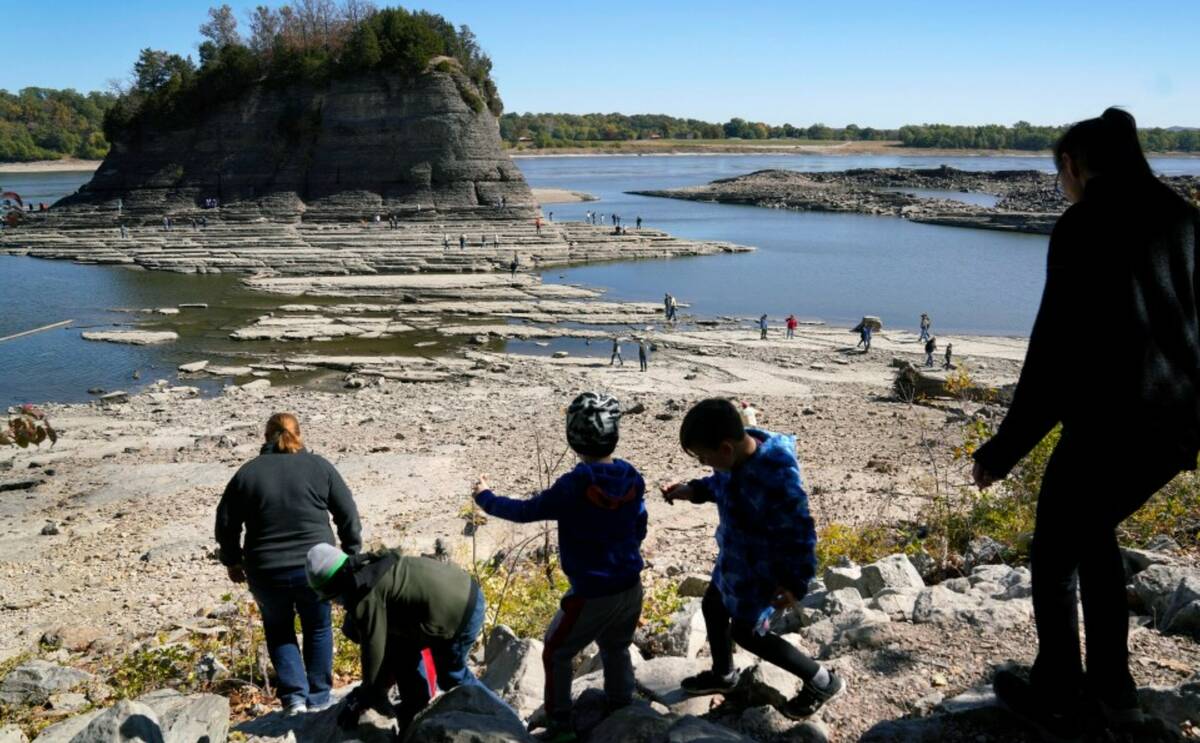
(515, 671)
(847, 576)
(989, 574)
(12, 734)
(1182, 616)
(132, 337)
(76, 638)
(768, 723)
(193, 367)
(684, 637)
(635, 723)
(32, 682)
(1138, 560)
(763, 683)
(897, 603)
(124, 722)
(842, 600)
(940, 605)
(1154, 588)
(894, 571)
(694, 586)
(983, 551)
(467, 714)
(658, 678)
(692, 729)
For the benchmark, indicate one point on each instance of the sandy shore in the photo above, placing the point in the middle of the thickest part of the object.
(66, 165)
(560, 196)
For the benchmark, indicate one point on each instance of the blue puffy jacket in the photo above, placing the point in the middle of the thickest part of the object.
(601, 515)
(766, 538)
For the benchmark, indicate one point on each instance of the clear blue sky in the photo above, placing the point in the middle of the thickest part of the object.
(873, 63)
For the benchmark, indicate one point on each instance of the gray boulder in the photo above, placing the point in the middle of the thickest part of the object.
(691, 729)
(940, 605)
(894, 571)
(1138, 560)
(694, 586)
(515, 671)
(763, 683)
(177, 718)
(12, 734)
(684, 636)
(989, 574)
(124, 722)
(34, 681)
(1154, 588)
(983, 551)
(847, 576)
(636, 723)
(842, 600)
(658, 678)
(467, 714)
(897, 603)
(1182, 615)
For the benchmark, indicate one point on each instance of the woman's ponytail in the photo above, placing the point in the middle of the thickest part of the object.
(1106, 145)
(284, 431)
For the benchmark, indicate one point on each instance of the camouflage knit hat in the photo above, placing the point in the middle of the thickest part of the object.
(592, 424)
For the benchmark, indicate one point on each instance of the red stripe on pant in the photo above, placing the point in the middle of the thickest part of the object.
(572, 607)
(430, 671)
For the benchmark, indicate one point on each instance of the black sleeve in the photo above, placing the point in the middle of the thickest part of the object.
(345, 513)
(1037, 402)
(229, 523)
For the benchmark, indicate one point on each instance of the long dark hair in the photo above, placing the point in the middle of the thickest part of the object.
(1107, 145)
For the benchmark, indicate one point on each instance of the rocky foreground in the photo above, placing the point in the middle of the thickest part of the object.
(106, 547)
(1028, 200)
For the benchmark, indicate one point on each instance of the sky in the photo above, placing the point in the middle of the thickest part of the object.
(880, 64)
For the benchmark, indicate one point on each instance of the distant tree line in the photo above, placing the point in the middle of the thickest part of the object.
(1025, 136)
(563, 130)
(45, 124)
(566, 130)
(305, 41)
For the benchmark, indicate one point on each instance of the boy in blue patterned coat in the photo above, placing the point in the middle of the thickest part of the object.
(766, 544)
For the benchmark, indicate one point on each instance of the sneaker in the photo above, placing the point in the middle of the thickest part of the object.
(1020, 698)
(1118, 706)
(293, 710)
(810, 699)
(709, 682)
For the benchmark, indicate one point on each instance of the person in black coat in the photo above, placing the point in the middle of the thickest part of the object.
(282, 501)
(1123, 254)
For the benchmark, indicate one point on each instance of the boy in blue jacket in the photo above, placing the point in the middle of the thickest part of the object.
(766, 545)
(601, 513)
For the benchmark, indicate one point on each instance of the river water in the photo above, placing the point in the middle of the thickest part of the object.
(831, 267)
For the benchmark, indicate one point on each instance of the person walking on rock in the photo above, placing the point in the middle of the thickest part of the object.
(766, 550)
(282, 500)
(601, 513)
(643, 354)
(638, 222)
(762, 327)
(926, 323)
(1127, 244)
(949, 357)
(616, 352)
(462, 241)
(538, 224)
(513, 266)
(398, 607)
(930, 348)
(791, 326)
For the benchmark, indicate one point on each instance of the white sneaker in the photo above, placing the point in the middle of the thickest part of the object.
(295, 710)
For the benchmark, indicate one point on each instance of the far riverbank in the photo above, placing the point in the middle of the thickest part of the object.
(66, 165)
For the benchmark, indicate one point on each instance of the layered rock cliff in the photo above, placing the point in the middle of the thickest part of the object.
(344, 151)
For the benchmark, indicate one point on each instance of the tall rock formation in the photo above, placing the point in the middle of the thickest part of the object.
(344, 151)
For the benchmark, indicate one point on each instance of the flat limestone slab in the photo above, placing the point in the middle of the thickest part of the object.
(132, 337)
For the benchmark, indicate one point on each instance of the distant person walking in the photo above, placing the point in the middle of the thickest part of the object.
(670, 307)
(538, 224)
(762, 326)
(513, 266)
(550, 217)
(615, 358)
(281, 501)
(643, 354)
(124, 232)
(864, 336)
(462, 241)
(791, 326)
(930, 348)
(639, 222)
(926, 323)
(949, 356)
(1127, 244)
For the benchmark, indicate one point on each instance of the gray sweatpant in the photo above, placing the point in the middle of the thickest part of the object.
(610, 622)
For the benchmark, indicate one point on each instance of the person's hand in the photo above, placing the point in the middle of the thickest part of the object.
(676, 491)
(481, 484)
(983, 479)
(236, 573)
(784, 599)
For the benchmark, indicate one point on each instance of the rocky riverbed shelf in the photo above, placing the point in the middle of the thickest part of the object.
(306, 249)
(131, 337)
(1027, 199)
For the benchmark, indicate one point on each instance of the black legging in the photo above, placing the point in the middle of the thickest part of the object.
(1089, 488)
(723, 631)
